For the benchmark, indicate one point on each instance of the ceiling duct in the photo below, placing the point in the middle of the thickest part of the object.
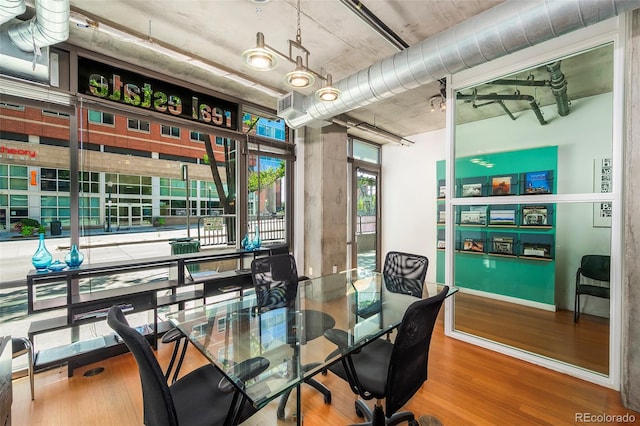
(9, 9)
(507, 28)
(49, 26)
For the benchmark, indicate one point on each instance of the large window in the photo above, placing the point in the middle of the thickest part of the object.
(140, 125)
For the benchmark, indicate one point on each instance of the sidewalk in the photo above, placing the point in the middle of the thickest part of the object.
(99, 246)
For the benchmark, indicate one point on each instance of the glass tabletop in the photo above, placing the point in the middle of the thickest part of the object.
(364, 305)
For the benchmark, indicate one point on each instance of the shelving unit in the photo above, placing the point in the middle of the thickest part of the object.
(175, 286)
(502, 249)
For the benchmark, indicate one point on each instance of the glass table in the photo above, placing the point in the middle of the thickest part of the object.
(366, 305)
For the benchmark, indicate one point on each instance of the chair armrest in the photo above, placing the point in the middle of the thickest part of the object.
(244, 371)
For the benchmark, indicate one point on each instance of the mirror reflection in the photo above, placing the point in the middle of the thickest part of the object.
(532, 248)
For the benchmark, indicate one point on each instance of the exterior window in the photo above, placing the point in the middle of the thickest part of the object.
(18, 178)
(56, 113)
(219, 141)
(140, 125)
(197, 136)
(101, 117)
(11, 106)
(170, 131)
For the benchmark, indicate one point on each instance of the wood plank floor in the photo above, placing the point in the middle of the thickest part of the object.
(467, 386)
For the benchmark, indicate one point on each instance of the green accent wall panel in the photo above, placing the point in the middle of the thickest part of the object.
(517, 276)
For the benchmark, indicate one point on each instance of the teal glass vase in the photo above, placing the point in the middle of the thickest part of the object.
(257, 241)
(247, 242)
(41, 259)
(74, 258)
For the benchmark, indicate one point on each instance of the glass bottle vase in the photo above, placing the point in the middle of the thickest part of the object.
(41, 259)
(74, 258)
(257, 241)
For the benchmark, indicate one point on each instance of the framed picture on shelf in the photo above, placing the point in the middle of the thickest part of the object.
(472, 190)
(502, 245)
(535, 216)
(470, 244)
(475, 215)
(537, 182)
(504, 185)
(534, 249)
(502, 217)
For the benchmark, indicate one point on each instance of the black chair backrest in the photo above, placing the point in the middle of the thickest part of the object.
(405, 265)
(410, 355)
(279, 249)
(275, 279)
(597, 267)
(158, 403)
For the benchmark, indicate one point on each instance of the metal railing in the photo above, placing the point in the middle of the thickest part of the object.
(366, 224)
(219, 230)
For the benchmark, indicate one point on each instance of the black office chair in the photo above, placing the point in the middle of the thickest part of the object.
(23, 346)
(406, 265)
(178, 338)
(275, 279)
(202, 397)
(595, 267)
(391, 371)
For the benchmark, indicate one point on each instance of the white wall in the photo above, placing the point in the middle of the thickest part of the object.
(409, 195)
(409, 183)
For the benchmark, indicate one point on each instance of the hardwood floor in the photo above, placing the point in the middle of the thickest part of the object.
(553, 334)
(467, 386)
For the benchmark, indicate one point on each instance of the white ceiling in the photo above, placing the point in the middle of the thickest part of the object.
(218, 31)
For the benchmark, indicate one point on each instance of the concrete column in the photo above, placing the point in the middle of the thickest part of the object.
(325, 200)
(631, 269)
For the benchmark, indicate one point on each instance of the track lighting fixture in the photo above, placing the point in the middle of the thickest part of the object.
(265, 58)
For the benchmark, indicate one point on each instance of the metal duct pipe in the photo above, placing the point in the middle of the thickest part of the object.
(559, 88)
(507, 28)
(9, 9)
(516, 97)
(50, 26)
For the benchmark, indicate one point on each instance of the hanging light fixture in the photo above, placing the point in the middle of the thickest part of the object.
(328, 93)
(299, 77)
(265, 58)
(260, 58)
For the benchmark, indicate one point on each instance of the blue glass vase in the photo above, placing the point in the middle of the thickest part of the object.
(41, 259)
(74, 258)
(247, 242)
(257, 242)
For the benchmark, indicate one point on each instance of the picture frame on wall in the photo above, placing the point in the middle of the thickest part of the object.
(534, 249)
(473, 215)
(472, 190)
(473, 187)
(505, 217)
(502, 245)
(504, 185)
(535, 183)
(471, 244)
(535, 216)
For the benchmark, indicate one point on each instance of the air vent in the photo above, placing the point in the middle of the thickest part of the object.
(16, 63)
(291, 105)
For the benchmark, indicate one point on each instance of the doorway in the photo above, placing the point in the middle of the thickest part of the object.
(366, 218)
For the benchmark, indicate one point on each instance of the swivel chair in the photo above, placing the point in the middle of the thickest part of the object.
(275, 279)
(390, 371)
(407, 265)
(595, 267)
(202, 397)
